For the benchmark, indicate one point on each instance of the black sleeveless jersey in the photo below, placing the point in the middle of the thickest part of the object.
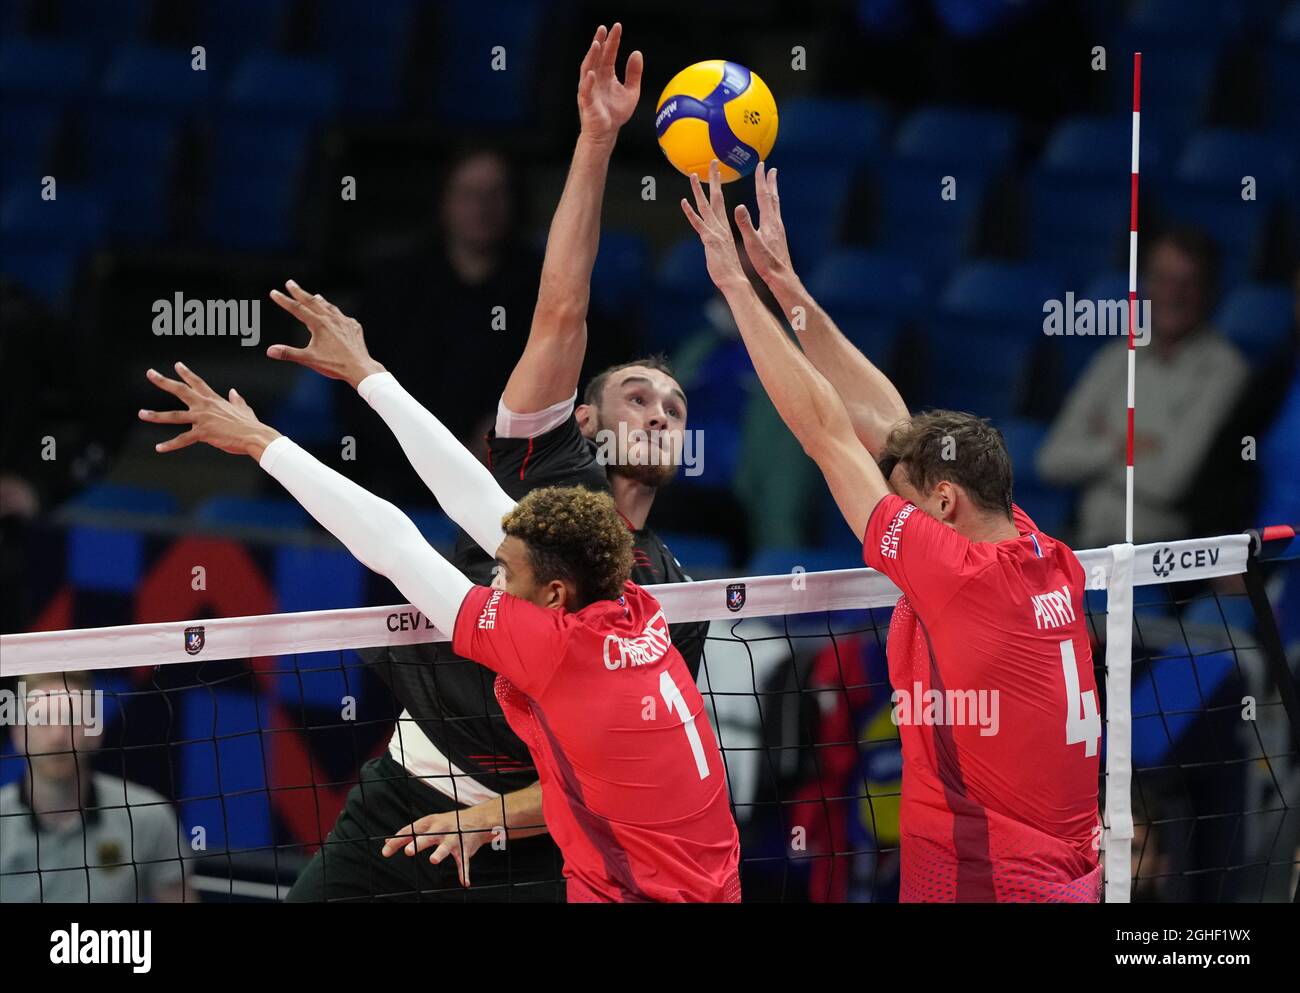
(452, 699)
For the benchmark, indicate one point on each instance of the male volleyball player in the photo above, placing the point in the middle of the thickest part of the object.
(991, 619)
(633, 789)
(452, 759)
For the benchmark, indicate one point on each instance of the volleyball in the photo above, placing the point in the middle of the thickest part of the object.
(716, 110)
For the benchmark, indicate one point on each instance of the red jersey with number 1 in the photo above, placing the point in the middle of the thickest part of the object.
(996, 702)
(633, 787)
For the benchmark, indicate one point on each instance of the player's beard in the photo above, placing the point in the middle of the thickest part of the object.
(648, 472)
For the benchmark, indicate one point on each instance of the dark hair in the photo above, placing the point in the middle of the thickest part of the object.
(459, 154)
(575, 535)
(947, 445)
(1197, 244)
(596, 386)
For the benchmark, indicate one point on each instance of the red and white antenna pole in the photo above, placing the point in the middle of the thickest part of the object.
(1132, 295)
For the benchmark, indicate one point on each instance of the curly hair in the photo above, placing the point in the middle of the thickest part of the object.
(576, 535)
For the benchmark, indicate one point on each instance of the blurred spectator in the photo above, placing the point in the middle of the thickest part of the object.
(433, 315)
(1188, 380)
(762, 489)
(71, 834)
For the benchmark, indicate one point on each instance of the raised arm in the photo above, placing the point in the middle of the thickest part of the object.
(547, 372)
(377, 533)
(463, 487)
(805, 399)
(873, 403)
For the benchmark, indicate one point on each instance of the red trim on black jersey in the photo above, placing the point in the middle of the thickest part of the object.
(527, 455)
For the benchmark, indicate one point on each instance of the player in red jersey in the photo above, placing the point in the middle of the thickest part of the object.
(989, 656)
(633, 786)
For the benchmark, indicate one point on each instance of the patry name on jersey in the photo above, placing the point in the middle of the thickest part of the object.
(1053, 609)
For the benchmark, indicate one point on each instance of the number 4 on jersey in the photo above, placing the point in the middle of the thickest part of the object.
(1082, 721)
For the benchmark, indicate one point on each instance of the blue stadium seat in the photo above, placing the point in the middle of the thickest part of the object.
(307, 414)
(818, 199)
(1047, 505)
(256, 169)
(238, 511)
(46, 272)
(1081, 224)
(438, 529)
(1288, 25)
(818, 130)
(1217, 159)
(127, 499)
(466, 88)
(1257, 319)
(74, 219)
(1003, 291)
(269, 84)
(681, 289)
(621, 272)
(1209, 21)
(1100, 148)
(158, 78)
(232, 28)
(915, 221)
(1177, 80)
(102, 23)
(44, 69)
(27, 133)
(1236, 225)
(368, 43)
(697, 553)
(858, 282)
(1283, 89)
(131, 158)
(957, 138)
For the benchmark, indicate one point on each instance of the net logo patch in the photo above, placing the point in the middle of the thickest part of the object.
(889, 543)
(194, 640)
(1164, 561)
(735, 596)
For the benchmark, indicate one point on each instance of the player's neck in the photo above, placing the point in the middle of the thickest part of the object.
(632, 499)
(472, 263)
(994, 528)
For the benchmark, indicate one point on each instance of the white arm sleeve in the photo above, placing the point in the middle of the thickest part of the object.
(461, 483)
(512, 425)
(380, 536)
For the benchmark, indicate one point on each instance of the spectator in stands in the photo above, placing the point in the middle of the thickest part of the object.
(1188, 381)
(71, 834)
(453, 311)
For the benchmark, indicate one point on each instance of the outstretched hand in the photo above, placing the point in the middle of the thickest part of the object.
(337, 348)
(711, 224)
(226, 423)
(605, 104)
(765, 245)
(447, 834)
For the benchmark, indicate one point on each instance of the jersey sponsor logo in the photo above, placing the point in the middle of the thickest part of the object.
(893, 533)
(735, 596)
(952, 708)
(1053, 609)
(648, 647)
(487, 618)
(194, 640)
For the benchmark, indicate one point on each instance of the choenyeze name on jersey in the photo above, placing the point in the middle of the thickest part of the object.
(645, 648)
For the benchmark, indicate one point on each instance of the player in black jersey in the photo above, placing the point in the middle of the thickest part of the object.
(455, 771)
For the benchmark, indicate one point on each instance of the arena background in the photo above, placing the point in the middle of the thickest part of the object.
(224, 187)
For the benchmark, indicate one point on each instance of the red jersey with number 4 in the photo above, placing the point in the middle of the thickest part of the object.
(996, 702)
(633, 787)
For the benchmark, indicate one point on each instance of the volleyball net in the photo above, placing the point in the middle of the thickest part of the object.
(228, 746)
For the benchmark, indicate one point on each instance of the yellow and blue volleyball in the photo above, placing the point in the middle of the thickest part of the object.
(716, 110)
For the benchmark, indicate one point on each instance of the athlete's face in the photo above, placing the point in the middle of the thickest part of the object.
(639, 425)
(514, 574)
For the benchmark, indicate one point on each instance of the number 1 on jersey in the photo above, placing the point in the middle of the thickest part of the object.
(674, 701)
(1082, 721)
